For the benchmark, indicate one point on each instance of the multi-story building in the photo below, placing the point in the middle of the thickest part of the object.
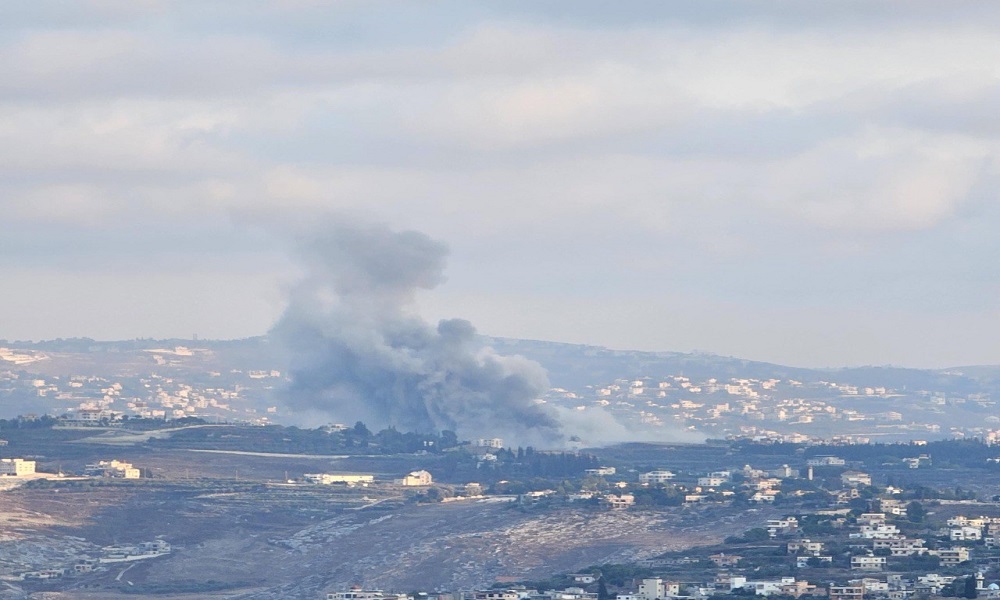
(900, 546)
(711, 481)
(618, 502)
(805, 546)
(725, 560)
(483, 595)
(965, 534)
(893, 506)
(871, 518)
(786, 525)
(416, 478)
(855, 478)
(654, 588)
(846, 592)
(358, 593)
(826, 461)
(867, 563)
(884, 531)
(656, 477)
(16, 467)
(951, 557)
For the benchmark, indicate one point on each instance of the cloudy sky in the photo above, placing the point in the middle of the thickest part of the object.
(811, 183)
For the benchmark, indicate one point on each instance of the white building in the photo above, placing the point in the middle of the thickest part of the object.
(357, 593)
(651, 589)
(490, 443)
(900, 546)
(416, 478)
(805, 546)
(884, 531)
(711, 481)
(656, 477)
(826, 461)
(802, 562)
(871, 518)
(965, 534)
(351, 479)
(855, 478)
(601, 471)
(786, 525)
(784, 586)
(893, 506)
(867, 563)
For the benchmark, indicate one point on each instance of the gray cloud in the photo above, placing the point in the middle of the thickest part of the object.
(358, 351)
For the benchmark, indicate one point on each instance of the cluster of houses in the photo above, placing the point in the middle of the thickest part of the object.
(771, 409)
(892, 587)
(761, 486)
(895, 587)
(108, 554)
(19, 467)
(103, 401)
(888, 542)
(112, 468)
(128, 553)
(973, 529)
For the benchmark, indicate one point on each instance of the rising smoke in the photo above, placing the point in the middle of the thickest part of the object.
(360, 352)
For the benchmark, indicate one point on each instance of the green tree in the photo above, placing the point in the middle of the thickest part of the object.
(602, 590)
(970, 588)
(916, 512)
(757, 534)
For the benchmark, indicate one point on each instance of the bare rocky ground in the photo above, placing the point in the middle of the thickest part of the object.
(264, 542)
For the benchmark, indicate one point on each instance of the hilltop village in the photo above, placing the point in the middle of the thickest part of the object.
(87, 382)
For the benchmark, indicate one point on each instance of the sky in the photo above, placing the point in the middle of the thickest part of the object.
(810, 183)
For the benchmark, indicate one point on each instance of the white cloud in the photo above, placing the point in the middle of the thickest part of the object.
(674, 145)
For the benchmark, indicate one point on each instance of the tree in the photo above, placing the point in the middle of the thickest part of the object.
(757, 534)
(602, 590)
(970, 588)
(915, 512)
(449, 439)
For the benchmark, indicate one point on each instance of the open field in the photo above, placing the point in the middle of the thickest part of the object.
(274, 538)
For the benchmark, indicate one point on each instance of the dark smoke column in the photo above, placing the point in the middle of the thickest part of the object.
(359, 352)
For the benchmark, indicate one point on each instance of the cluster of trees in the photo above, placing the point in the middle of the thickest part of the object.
(21, 422)
(757, 534)
(968, 453)
(527, 462)
(657, 496)
(962, 587)
(277, 438)
(617, 575)
(181, 587)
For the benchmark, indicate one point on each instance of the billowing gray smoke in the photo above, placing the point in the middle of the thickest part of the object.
(359, 351)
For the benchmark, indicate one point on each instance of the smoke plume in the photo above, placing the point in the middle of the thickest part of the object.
(360, 352)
